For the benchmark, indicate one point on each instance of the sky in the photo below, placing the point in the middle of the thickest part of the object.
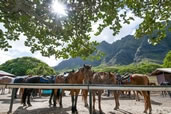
(19, 50)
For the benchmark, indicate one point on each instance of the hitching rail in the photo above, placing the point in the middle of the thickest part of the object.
(86, 86)
(82, 86)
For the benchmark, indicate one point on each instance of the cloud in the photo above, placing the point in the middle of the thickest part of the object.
(20, 50)
(16, 53)
(126, 29)
(51, 61)
(4, 57)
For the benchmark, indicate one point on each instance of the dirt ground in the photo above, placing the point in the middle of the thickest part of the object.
(160, 105)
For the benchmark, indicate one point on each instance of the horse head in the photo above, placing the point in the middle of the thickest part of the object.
(87, 72)
(60, 79)
(112, 77)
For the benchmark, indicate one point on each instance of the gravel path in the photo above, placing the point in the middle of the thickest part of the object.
(160, 105)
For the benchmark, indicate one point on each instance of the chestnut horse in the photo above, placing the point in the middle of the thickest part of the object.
(99, 78)
(140, 79)
(75, 78)
(72, 78)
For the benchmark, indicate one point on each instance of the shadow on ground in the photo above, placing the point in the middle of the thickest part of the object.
(51, 110)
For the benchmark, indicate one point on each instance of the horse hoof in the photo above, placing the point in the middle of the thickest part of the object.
(116, 108)
(54, 105)
(145, 111)
(101, 112)
(24, 104)
(150, 112)
(61, 106)
(29, 105)
(86, 105)
(94, 112)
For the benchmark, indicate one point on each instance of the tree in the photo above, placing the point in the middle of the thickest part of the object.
(41, 69)
(167, 60)
(27, 65)
(69, 36)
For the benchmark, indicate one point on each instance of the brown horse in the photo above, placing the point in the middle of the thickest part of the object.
(72, 78)
(103, 78)
(99, 78)
(140, 79)
(57, 93)
(75, 78)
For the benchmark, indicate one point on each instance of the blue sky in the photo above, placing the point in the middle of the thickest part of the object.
(19, 50)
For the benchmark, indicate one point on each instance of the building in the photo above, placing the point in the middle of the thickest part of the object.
(162, 75)
(3, 73)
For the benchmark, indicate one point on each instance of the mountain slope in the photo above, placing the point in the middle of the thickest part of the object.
(124, 52)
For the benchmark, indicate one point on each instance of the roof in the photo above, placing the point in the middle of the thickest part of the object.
(161, 70)
(3, 73)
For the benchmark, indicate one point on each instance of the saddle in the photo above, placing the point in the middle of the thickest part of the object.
(122, 79)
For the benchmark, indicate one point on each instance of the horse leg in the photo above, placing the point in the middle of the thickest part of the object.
(85, 94)
(145, 101)
(72, 100)
(137, 96)
(129, 94)
(76, 98)
(3, 91)
(116, 97)
(28, 97)
(21, 90)
(40, 93)
(149, 102)
(60, 99)
(99, 99)
(169, 92)
(50, 99)
(94, 100)
(9, 91)
(15, 96)
(23, 101)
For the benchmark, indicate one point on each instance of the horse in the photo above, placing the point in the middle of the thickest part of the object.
(18, 80)
(27, 92)
(99, 78)
(56, 93)
(6, 80)
(139, 79)
(73, 77)
(164, 93)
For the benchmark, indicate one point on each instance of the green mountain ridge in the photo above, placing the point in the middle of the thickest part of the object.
(123, 52)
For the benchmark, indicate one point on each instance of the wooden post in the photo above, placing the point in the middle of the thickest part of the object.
(12, 99)
(90, 100)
